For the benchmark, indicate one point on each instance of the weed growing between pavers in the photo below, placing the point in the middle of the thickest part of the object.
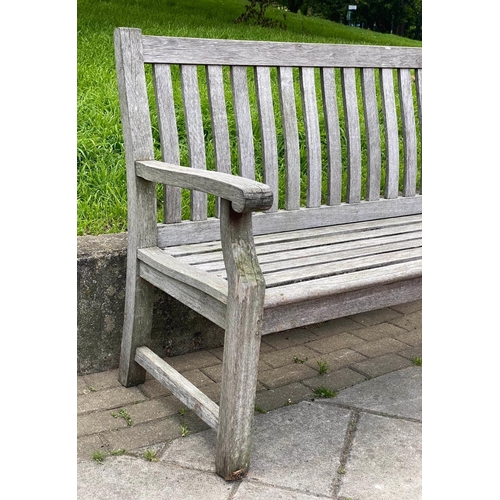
(323, 367)
(123, 413)
(298, 360)
(98, 456)
(417, 361)
(150, 455)
(258, 409)
(324, 392)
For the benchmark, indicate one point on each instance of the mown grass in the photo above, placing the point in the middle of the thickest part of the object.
(101, 180)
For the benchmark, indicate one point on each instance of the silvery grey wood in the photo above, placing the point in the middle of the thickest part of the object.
(319, 262)
(391, 133)
(353, 135)
(189, 232)
(169, 140)
(138, 142)
(291, 137)
(195, 134)
(306, 312)
(313, 138)
(372, 127)
(418, 83)
(179, 385)
(246, 289)
(193, 298)
(268, 131)
(253, 53)
(244, 132)
(332, 128)
(245, 194)
(409, 132)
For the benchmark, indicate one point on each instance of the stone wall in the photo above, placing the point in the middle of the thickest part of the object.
(101, 268)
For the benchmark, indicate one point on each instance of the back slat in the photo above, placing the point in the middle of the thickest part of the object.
(409, 132)
(391, 133)
(372, 128)
(313, 139)
(169, 140)
(291, 137)
(353, 135)
(243, 119)
(195, 135)
(329, 91)
(268, 131)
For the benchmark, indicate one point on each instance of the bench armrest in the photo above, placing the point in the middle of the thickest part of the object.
(245, 195)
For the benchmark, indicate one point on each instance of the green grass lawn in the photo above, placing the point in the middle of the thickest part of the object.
(101, 184)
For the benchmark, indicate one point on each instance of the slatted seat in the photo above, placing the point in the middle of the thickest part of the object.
(304, 199)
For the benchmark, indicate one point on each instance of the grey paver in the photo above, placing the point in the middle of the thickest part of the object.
(153, 389)
(411, 352)
(286, 356)
(93, 423)
(129, 478)
(413, 337)
(336, 380)
(410, 321)
(215, 372)
(86, 446)
(384, 364)
(397, 393)
(384, 461)
(337, 359)
(192, 360)
(285, 375)
(409, 307)
(335, 343)
(281, 396)
(102, 380)
(289, 338)
(108, 399)
(379, 347)
(339, 325)
(253, 491)
(379, 331)
(375, 317)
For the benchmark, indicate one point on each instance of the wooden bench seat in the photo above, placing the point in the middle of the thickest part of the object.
(292, 196)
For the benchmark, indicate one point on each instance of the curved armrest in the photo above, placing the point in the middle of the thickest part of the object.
(245, 195)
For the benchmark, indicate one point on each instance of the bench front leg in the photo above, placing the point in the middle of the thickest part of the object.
(241, 345)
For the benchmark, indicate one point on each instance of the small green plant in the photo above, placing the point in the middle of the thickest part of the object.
(99, 456)
(92, 389)
(182, 412)
(324, 392)
(150, 455)
(117, 453)
(123, 413)
(299, 360)
(184, 429)
(341, 470)
(323, 367)
(417, 361)
(258, 409)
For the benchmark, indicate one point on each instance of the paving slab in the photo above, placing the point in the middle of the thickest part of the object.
(296, 447)
(130, 478)
(253, 491)
(384, 461)
(397, 393)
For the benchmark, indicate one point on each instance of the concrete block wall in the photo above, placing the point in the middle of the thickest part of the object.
(101, 269)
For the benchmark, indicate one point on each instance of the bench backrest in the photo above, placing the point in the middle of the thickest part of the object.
(334, 130)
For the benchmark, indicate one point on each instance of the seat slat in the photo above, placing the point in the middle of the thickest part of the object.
(372, 126)
(313, 138)
(244, 132)
(332, 129)
(195, 135)
(268, 131)
(291, 137)
(391, 133)
(169, 139)
(409, 133)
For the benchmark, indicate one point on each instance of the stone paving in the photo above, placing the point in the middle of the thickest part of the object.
(116, 420)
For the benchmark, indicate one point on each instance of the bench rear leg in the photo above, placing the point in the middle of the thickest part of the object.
(245, 307)
(139, 297)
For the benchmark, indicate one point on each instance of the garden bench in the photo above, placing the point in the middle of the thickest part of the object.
(338, 228)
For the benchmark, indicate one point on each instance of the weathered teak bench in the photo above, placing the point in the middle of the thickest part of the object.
(326, 244)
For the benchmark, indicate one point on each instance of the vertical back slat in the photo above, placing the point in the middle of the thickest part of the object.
(218, 114)
(243, 119)
(372, 128)
(313, 139)
(268, 131)
(330, 108)
(353, 135)
(169, 139)
(391, 133)
(291, 137)
(195, 134)
(409, 132)
(418, 83)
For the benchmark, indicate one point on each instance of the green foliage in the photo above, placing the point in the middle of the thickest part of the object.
(324, 392)
(150, 455)
(323, 367)
(255, 13)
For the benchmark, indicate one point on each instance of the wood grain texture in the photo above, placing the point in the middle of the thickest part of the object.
(291, 137)
(391, 133)
(353, 135)
(372, 127)
(141, 196)
(268, 131)
(330, 107)
(313, 138)
(252, 53)
(241, 344)
(195, 134)
(179, 385)
(169, 140)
